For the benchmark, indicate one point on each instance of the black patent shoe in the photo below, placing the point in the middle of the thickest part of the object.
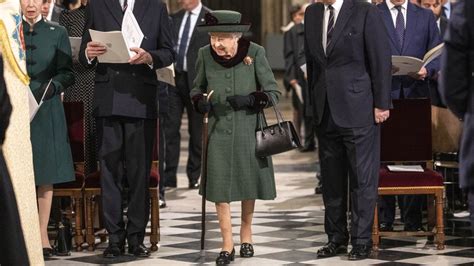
(360, 252)
(225, 257)
(246, 250)
(139, 251)
(113, 251)
(331, 249)
(48, 252)
(385, 227)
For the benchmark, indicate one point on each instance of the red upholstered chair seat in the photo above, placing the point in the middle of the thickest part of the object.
(73, 184)
(93, 180)
(428, 178)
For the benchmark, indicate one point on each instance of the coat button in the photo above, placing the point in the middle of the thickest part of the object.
(228, 75)
(133, 74)
(117, 72)
(229, 131)
(229, 117)
(228, 90)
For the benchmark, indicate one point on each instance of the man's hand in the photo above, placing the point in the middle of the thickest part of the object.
(142, 57)
(94, 49)
(395, 69)
(293, 82)
(381, 115)
(421, 75)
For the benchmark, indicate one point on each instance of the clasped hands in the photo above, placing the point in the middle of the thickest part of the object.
(95, 49)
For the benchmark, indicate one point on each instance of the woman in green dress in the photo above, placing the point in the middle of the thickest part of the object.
(243, 84)
(49, 66)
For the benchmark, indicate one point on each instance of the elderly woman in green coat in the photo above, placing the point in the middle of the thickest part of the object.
(49, 66)
(243, 84)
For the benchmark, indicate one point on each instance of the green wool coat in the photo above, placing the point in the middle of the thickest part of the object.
(48, 55)
(234, 173)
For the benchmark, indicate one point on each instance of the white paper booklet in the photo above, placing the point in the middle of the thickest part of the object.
(33, 104)
(75, 46)
(405, 168)
(408, 64)
(119, 42)
(166, 74)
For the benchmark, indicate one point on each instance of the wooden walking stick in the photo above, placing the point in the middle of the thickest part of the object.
(205, 123)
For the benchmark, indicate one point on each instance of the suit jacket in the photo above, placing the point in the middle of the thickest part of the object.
(458, 81)
(5, 105)
(421, 35)
(354, 76)
(124, 89)
(198, 39)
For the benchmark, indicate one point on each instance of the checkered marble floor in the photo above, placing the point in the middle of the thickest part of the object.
(286, 231)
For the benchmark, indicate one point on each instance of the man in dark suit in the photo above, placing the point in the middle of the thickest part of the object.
(187, 43)
(457, 87)
(125, 106)
(349, 80)
(12, 247)
(412, 31)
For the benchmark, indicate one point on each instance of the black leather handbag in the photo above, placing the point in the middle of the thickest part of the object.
(277, 138)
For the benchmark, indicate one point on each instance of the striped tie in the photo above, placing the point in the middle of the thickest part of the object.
(400, 27)
(330, 25)
(125, 5)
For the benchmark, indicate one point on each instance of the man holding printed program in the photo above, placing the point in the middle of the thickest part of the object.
(125, 98)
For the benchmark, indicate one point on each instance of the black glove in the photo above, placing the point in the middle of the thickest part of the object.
(48, 95)
(201, 105)
(255, 101)
(239, 102)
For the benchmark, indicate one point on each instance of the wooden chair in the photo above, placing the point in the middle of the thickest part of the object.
(92, 191)
(74, 112)
(406, 138)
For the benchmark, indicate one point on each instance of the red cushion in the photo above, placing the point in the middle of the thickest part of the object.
(93, 180)
(428, 178)
(73, 184)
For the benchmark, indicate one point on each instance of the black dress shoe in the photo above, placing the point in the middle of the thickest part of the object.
(193, 185)
(246, 250)
(331, 249)
(386, 227)
(225, 257)
(139, 251)
(48, 252)
(318, 190)
(413, 228)
(360, 252)
(114, 250)
(308, 149)
(162, 203)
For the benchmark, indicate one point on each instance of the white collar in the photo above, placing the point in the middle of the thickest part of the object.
(337, 5)
(40, 17)
(197, 9)
(391, 5)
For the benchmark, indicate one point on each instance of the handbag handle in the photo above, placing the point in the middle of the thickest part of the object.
(262, 120)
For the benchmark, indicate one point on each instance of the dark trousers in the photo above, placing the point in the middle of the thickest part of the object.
(125, 149)
(161, 156)
(178, 100)
(348, 155)
(410, 208)
(12, 246)
(470, 198)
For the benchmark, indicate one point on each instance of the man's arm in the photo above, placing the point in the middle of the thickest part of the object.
(289, 54)
(86, 38)
(379, 58)
(455, 74)
(434, 40)
(165, 54)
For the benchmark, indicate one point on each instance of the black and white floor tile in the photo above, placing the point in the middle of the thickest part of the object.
(287, 231)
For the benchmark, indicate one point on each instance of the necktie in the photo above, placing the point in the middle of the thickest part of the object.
(444, 11)
(400, 27)
(183, 43)
(125, 5)
(330, 28)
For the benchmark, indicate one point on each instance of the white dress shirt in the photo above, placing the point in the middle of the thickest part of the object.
(394, 12)
(337, 7)
(194, 17)
(447, 8)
